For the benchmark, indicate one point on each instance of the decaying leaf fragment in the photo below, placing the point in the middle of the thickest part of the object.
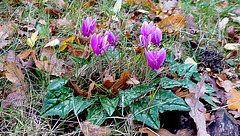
(235, 98)
(89, 129)
(197, 108)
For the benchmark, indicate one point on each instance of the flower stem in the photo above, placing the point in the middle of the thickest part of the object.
(100, 67)
(109, 62)
(146, 77)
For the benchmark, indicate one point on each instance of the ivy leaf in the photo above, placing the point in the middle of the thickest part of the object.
(149, 117)
(167, 101)
(109, 104)
(57, 102)
(126, 96)
(81, 104)
(96, 115)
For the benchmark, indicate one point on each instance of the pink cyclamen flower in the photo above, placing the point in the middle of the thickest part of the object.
(112, 39)
(98, 44)
(147, 29)
(88, 26)
(156, 36)
(144, 41)
(155, 59)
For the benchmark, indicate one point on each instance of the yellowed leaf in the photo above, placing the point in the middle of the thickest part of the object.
(31, 41)
(235, 98)
(232, 46)
(66, 42)
(190, 60)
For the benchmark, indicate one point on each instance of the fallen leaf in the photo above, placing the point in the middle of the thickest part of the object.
(197, 108)
(64, 22)
(52, 43)
(15, 75)
(66, 43)
(89, 129)
(164, 132)
(236, 19)
(147, 130)
(13, 99)
(232, 46)
(132, 81)
(231, 54)
(235, 113)
(53, 11)
(235, 99)
(190, 60)
(190, 24)
(117, 6)
(25, 59)
(172, 23)
(31, 41)
(77, 90)
(223, 23)
(147, 3)
(228, 85)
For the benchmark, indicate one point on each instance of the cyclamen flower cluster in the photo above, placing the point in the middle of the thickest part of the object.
(151, 33)
(99, 44)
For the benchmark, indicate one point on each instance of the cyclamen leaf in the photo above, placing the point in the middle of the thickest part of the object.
(96, 115)
(167, 101)
(149, 117)
(109, 104)
(185, 69)
(81, 104)
(169, 83)
(56, 84)
(126, 96)
(57, 102)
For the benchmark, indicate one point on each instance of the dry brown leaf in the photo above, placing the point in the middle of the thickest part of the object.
(147, 130)
(164, 132)
(91, 87)
(50, 63)
(64, 22)
(231, 54)
(197, 108)
(235, 98)
(25, 59)
(190, 24)
(147, 3)
(228, 85)
(89, 129)
(172, 23)
(13, 99)
(132, 81)
(77, 90)
(53, 11)
(15, 75)
(19, 87)
(115, 84)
